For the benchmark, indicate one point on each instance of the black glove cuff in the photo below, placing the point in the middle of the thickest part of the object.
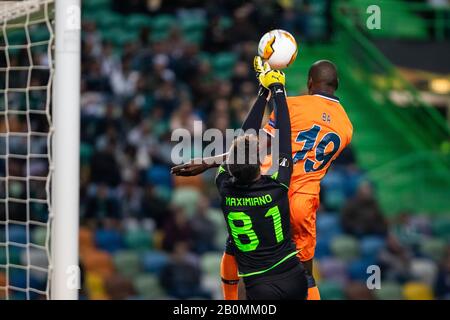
(277, 88)
(263, 92)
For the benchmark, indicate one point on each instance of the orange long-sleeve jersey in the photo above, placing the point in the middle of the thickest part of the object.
(321, 129)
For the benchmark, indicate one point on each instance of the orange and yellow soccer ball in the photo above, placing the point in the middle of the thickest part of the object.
(279, 48)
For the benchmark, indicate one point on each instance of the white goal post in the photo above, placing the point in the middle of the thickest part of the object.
(66, 149)
(39, 148)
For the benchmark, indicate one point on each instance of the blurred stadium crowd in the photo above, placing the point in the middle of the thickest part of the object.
(146, 234)
(162, 235)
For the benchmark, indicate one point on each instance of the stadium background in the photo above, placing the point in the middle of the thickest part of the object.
(149, 67)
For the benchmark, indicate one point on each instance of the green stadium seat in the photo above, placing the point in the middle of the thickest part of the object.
(194, 36)
(138, 239)
(14, 254)
(157, 36)
(108, 20)
(441, 228)
(318, 26)
(433, 248)
(186, 198)
(16, 36)
(148, 287)
(389, 291)
(223, 64)
(210, 264)
(331, 290)
(39, 34)
(225, 22)
(163, 192)
(94, 5)
(335, 199)
(2, 255)
(193, 23)
(221, 236)
(88, 16)
(39, 236)
(118, 36)
(345, 247)
(138, 21)
(163, 23)
(86, 151)
(127, 262)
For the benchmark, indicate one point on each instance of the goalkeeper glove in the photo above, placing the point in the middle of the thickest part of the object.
(266, 76)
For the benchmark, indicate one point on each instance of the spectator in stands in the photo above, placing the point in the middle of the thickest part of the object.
(130, 6)
(102, 205)
(104, 167)
(124, 79)
(395, 260)
(442, 284)
(135, 93)
(361, 215)
(130, 199)
(358, 291)
(181, 277)
(410, 229)
(176, 229)
(153, 206)
(119, 288)
(216, 36)
(203, 228)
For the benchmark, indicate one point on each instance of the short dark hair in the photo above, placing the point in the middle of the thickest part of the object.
(243, 159)
(324, 72)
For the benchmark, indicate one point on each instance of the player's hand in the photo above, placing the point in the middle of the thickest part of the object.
(258, 66)
(189, 169)
(266, 76)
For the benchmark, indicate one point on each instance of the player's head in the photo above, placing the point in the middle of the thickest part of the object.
(323, 77)
(243, 159)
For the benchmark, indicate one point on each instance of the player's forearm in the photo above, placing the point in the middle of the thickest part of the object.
(256, 113)
(283, 123)
(215, 161)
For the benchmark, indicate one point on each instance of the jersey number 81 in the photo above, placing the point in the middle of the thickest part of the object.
(245, 228)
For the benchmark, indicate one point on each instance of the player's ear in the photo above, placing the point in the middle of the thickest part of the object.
(337, 83)
(309, 85)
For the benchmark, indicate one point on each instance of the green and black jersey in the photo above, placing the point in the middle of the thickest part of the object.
(257, 214)
(257, 218)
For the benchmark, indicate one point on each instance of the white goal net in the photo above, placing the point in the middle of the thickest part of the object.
(26, 129)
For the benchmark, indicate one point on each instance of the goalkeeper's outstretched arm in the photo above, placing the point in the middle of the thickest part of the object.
(252, 121)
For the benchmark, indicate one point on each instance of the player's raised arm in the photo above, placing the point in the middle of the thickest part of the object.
(274, 80)
(256, 113)
(252, 121)
(283, 124)
(255, 116)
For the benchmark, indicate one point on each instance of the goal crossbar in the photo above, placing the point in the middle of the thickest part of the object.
(11, 10)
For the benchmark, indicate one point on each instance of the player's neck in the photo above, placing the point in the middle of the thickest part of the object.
(322, 90)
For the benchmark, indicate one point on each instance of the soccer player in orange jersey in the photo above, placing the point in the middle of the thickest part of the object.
(320, 131)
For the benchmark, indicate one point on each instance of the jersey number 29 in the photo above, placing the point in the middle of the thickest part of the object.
(309, 137)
